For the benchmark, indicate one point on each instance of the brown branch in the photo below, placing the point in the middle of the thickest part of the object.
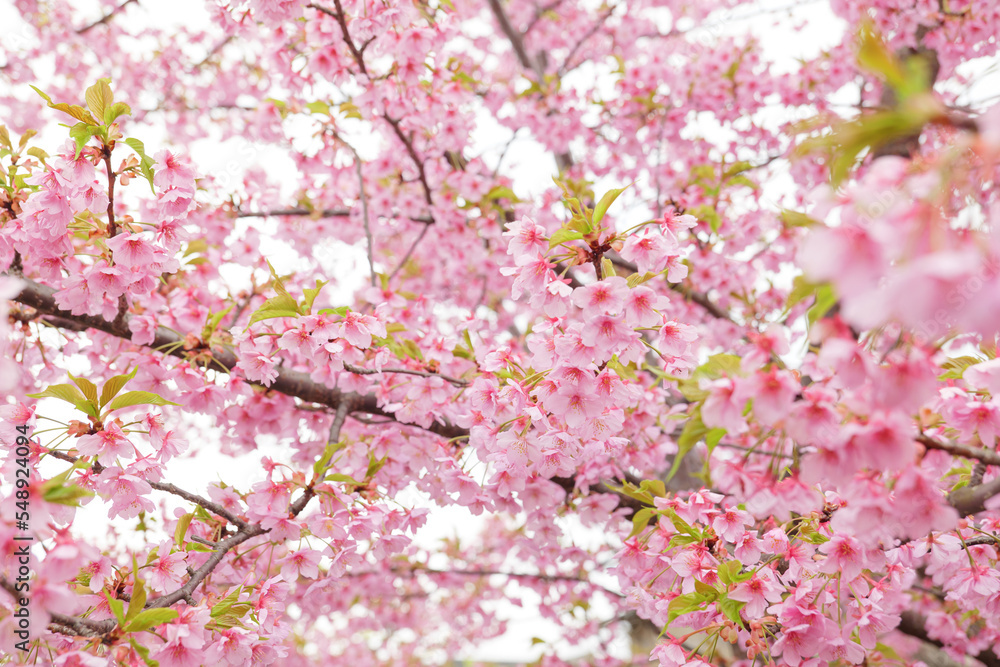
(409, 253)
(334, 436)
(107, 17)
(342, 21)
(987, 456)
(969, 499)
(915, 625)
(213, 507)
(516, 40)
(293, 383)
(690, 294)
(405, 371)
(245, 533)
(408, 143)
(580, 42)
(972, 499)
(323, 213)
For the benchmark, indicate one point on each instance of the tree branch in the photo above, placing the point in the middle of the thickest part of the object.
(913, 624)
(342, 21)
(107, 17)
(213, 507)
(987, 456)
(323, 213)
(405, 371)
(289, 382)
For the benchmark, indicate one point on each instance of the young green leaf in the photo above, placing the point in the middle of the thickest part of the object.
(99, 97)
(606, 201)
(117, 608)
(145, 162)
(151, 618)
(130, 398)
(282, 305)
(114, 385)
(182, 527)
(87, 387)
(70, 394)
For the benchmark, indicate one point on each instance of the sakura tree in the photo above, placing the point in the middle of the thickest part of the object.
(702, 333)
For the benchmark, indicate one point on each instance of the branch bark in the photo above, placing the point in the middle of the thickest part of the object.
(289, 382)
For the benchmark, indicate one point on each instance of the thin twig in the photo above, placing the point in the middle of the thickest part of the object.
(405, 371)
(342, 21)
(213, 507)
(323, 213)
(580, 42)
(409, 253)
(364, 211)
(334, 436)
(408, 144)
(987, 456)
(107, 17)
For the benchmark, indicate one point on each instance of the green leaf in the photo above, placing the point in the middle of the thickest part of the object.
(347, 479)
(319, 107)
(279, 284)
(640, 520)
(564, 235)
(684, 604)
(632, 491)
(70, 394)
(37, 152)
(57, 492)
(25, 138)
(502, 192)
(225, 605)
(637, 279)
(606, 201)
(717, 366)
(791, 218)
(955, 367)
(282, 305)
(212, 323)
(310, 296)
(116, 110)
(138, 601)
(182, 527)
(99, 97)
(374, 465)
(682, 525)
(145, 162)
(5, 138)
(114, 385)
(151, 618)
(731, 610)
(825, 300)
(694, 430)
(802, 289)
(87, 387)
(889, 652)
(73, 110)
(143, 653)
(874, 56)
(654, 487)
(117, 608)
(729, 570)
(710, 592)
(130, 398)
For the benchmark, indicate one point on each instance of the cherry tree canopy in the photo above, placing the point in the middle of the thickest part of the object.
(728, 368)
